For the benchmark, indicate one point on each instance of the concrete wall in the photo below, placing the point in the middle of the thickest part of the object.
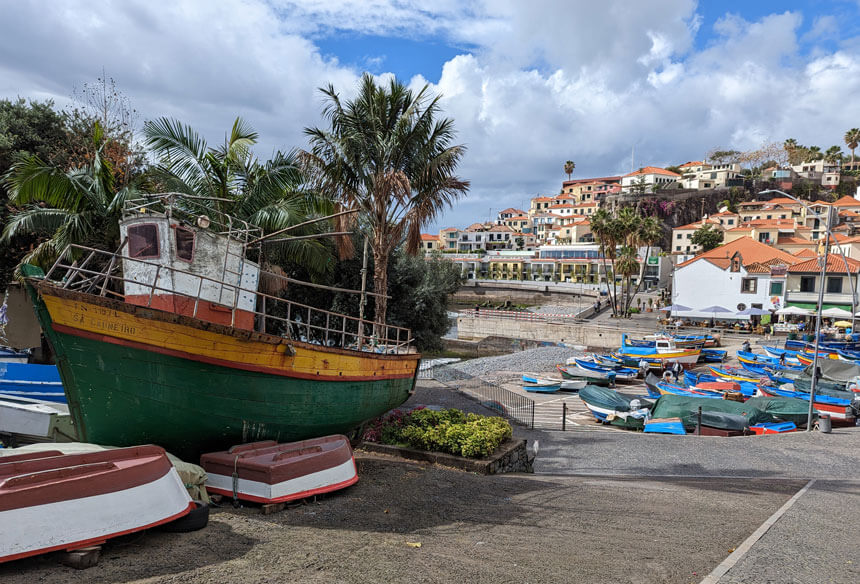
(525, 292)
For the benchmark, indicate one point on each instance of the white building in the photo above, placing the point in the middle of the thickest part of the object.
(648, 178)
(738, 275)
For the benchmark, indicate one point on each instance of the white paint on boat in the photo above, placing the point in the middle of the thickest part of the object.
(299, 487)
(61, 525)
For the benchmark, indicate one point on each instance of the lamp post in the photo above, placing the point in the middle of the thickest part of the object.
(822, 259)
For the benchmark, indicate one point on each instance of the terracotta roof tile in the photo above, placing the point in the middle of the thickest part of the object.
(804, 253)
(653, 170)
(750, 250)
(696, 163)
(429, 237)
(847, 201)
(835, 264)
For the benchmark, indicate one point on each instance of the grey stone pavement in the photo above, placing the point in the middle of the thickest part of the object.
(815, 539)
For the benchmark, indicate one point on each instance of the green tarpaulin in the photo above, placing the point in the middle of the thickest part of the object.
(718, 413)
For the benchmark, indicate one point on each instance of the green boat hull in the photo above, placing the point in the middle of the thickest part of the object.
(123, 396)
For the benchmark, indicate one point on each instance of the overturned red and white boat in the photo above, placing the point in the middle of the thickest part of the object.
(50, 501)
(268, 472)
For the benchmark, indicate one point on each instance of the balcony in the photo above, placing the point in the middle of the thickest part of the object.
(812, 297)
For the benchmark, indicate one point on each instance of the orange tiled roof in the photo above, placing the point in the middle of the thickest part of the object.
(846, 201)
(429, 237)
(697, 225)
(696, 163)
(653, 170)
(512, 210)
(560, 206)
(725, 214)
(751, 252)
(805, 253)
(792, 240)
(475, 227)
(543, 199)
(518, 218)
(835, 264)
(503, 228)
(450, 229)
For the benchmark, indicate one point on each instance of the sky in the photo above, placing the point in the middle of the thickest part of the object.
(612, 85)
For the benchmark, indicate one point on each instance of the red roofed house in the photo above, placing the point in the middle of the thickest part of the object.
(430, 242)
(737, 275)
(804, 282)
(503, 216)
(646, 178)
(709, 176)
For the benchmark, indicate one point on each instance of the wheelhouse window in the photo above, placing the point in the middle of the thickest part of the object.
(185, 244)
(143, 241)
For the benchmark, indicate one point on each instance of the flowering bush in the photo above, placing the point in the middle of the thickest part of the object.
(451, 431)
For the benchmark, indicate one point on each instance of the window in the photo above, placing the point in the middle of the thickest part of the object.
(143, 241)
(185, 244)
(807, 283)
(748, 285)
(768, 216)
(776, 288)
(677, 248)
(731, 221)
(689, 236)
(834, 285)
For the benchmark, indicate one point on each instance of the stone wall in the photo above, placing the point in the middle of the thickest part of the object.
(512, 456)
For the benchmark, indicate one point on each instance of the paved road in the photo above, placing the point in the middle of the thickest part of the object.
(814, 540)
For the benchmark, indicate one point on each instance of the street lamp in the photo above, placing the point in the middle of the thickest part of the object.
(823, 263)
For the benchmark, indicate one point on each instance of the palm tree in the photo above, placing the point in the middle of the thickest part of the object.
(791, 148)
(266, 194)
(833, 155)
(77, 206)
(852, 139)
(650, 232)
(568, 168)
(812, 154)
(386, 155)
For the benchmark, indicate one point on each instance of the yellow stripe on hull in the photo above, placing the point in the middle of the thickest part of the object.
(205, 344)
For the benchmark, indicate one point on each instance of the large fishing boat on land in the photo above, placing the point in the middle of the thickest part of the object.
(664, 350)
(171, 340)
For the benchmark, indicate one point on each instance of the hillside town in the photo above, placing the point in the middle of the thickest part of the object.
(764, 251)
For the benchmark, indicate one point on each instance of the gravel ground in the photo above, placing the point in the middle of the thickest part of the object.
(497, 529)
(538, 359)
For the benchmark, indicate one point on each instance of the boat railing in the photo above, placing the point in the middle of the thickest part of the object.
(100, 273)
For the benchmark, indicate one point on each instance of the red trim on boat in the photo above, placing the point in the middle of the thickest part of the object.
(61, 328)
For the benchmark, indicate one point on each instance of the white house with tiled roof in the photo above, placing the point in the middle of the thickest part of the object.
(804, 282)
(648, 177)
(430, 242)
(508, 213)
(683, 234)
(540, 204)
(738, 275)
(519, 223)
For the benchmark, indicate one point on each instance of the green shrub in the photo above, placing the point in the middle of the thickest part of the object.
(451, 431)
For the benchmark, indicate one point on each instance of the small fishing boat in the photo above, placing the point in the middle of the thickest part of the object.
(50, 501)
(33, 420)
(712, 356)
(773, 428)
(664, 350)
(733, 374)
(838, 409)
(790, 356)
(621, 373)
(268, 472)
(9, 355)
(672, 389)
(541, 385)
(746, 357)
(787, 409)
(665, 426)
(591, 377)
(693, 379)
(31, 381)
(609, 406)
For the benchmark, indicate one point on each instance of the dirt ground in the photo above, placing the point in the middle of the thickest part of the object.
(509, 528)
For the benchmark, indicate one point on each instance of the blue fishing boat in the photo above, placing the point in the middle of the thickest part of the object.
(9, 355)
(32, 381)
(712, 356)
(665, 426)
(621, 374)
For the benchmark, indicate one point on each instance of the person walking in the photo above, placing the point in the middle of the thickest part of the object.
(677, 371)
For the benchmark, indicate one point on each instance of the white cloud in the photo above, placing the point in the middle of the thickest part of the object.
(541, 83)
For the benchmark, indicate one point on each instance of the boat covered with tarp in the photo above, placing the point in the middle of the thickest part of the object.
(607, 405)
(788, 409)
(720, 414)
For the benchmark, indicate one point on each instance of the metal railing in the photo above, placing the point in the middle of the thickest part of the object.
(101, 274)
(517, 408)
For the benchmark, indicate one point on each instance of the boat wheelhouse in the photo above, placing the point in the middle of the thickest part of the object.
(171, 340)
